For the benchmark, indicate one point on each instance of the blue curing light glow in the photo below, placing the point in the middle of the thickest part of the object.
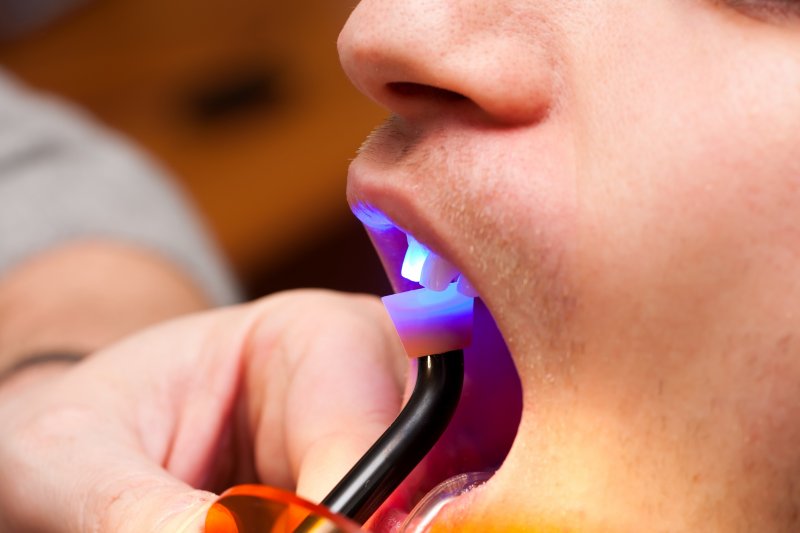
(445, 308)
(415, 258)
(431, 322)
(371, 217)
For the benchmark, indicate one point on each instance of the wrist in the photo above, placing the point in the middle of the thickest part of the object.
(36, 366)
(71, 298)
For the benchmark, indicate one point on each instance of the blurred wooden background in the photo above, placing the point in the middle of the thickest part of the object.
(244, 101)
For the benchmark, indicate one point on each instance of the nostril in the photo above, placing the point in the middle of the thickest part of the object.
(423, 92)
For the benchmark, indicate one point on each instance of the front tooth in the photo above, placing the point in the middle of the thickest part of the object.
(414, 260)
(465, 287)
(437, 273)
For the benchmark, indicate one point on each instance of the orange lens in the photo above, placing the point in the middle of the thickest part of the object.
(262, 509)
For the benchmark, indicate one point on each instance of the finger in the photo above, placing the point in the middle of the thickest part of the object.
(76, 470)
(331, 438)
(116, 443)
(136, 496)
(355, 400)
(342, 385)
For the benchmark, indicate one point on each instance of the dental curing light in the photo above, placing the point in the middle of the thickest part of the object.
(427, 322)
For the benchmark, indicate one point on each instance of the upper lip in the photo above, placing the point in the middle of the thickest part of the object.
(372, 190)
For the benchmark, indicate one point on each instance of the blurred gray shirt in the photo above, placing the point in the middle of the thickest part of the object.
(64, 177)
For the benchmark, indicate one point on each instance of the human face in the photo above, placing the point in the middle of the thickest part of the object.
(620, 181)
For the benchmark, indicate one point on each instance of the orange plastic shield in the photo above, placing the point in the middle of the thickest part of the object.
(262, 509)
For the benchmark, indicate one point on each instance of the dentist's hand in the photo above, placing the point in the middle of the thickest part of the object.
(288, 391)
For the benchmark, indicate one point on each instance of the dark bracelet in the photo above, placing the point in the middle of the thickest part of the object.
(39, 359)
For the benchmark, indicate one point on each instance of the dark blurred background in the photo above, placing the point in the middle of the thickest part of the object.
(242, 100)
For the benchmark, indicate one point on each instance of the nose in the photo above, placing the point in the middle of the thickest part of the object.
(421, 58)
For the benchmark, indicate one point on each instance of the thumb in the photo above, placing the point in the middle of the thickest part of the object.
(150, 501)
(331, 457)
(91, 484)
(347, 391)
(329, 390)
(344, 431)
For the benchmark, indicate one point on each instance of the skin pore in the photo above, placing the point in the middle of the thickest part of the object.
(620, 181)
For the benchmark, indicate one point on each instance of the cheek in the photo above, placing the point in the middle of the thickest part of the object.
(768, 408)
(688, 261)
(762, 443)
(689, 175)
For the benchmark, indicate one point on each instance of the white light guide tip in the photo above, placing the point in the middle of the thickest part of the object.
(431, 322)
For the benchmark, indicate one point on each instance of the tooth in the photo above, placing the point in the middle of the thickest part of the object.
(465, 287)
(437, 273)
(413, 261)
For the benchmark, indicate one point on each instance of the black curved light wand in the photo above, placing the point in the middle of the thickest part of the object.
(401, 447)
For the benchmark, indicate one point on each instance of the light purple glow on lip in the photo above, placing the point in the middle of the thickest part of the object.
(371, 217)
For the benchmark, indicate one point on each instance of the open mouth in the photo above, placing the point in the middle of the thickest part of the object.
(486, 420)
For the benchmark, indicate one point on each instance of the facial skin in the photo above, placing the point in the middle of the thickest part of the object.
(620, 180)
